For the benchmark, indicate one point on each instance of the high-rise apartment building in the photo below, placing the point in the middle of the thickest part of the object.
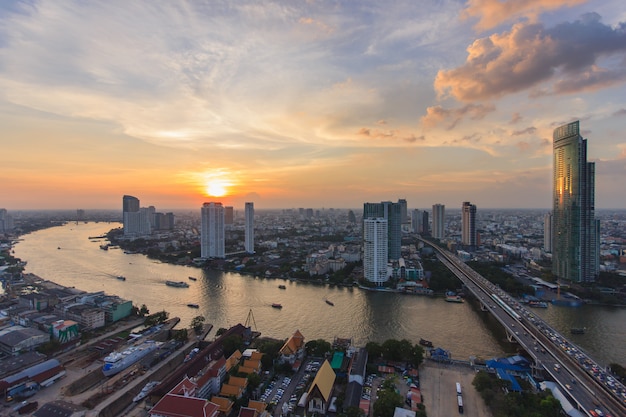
(547, 232)
(416, 221)
(393, 214)
(439, 225)
(575, 230)
(6, 221)
(425, 230)
(468, 224)
(404, 211)
(375, 246)
(137, 221)
(229, 215)
(249, 240)
(212, 236)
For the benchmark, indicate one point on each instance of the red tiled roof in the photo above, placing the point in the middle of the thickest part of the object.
(180, 406)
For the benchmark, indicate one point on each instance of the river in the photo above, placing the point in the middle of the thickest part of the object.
(67, 256)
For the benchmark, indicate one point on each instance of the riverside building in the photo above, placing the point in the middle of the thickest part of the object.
(212, 235)
(575, 230)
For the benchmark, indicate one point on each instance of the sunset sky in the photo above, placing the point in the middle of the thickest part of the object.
(306, 103)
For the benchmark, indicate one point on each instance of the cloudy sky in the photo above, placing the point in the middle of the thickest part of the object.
(306, 103)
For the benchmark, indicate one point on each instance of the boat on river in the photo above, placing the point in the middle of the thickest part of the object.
(330, 303)
(577, 330)
(193, 278)
(193, 305)
(121, 277)
(276, 305)
(178, 284)
(282, 287)
(453, 298)
(426, 343)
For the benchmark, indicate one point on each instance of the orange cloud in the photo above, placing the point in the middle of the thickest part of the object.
(531, 54)
(436, 115)
(491, 13)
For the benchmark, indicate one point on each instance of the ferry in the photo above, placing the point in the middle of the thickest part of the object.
(121, 277)
(453, 298)
(178, 284)
(276, 305)
(118, 361)
(193, 305)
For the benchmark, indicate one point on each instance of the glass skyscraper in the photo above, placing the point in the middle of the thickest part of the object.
(575, 230)
(392, 212)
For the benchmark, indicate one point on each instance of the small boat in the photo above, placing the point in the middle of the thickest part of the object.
(193, 278)
(178, 284)
(121, 277)
(453, 297)
(276, 305)
(330, 303)
(193, 305)
(282, 287)
(577, 330)
(426, 343)
(104, 247)
(58, 247)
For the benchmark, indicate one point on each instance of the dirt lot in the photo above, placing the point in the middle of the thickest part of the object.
(438, 386)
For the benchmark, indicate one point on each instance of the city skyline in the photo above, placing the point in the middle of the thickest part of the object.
(306, 105)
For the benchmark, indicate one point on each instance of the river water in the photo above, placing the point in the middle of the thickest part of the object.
(67, 256)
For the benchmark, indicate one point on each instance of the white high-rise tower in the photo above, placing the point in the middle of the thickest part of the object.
(249, 227)
(212, 237)
(375, 254)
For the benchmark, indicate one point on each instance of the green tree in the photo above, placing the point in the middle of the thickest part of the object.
(354, 411)
(318, 347)
(231, 344)
(374, 351)
(197, 323)
(388, 400)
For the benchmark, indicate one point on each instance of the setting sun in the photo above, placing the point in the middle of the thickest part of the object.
(216, 188)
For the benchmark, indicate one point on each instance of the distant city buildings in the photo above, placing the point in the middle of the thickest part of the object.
(212, 235)
(575, 230)
(468, 224)
(416, 221)
(439, 212)
(375, 250)
(392, 212)
(249, 218)
(142, 221)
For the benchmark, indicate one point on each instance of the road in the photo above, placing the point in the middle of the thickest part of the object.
(578, 376)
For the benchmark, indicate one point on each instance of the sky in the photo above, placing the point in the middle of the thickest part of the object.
(306, 103)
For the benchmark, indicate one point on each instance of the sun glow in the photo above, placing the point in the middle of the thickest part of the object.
(217, 188)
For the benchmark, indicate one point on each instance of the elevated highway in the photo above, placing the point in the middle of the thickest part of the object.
(577, 375)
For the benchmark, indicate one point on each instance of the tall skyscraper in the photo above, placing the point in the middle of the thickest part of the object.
(212, 237)
(130, 214)
(468, 223)
(375, 256)
(425, 230)
(6, 221)
(393, 214)
(547, 232)
(439, 229)
(416, 221)
(575, 230)
(404, 213)
(249, 242)
(229, 215)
